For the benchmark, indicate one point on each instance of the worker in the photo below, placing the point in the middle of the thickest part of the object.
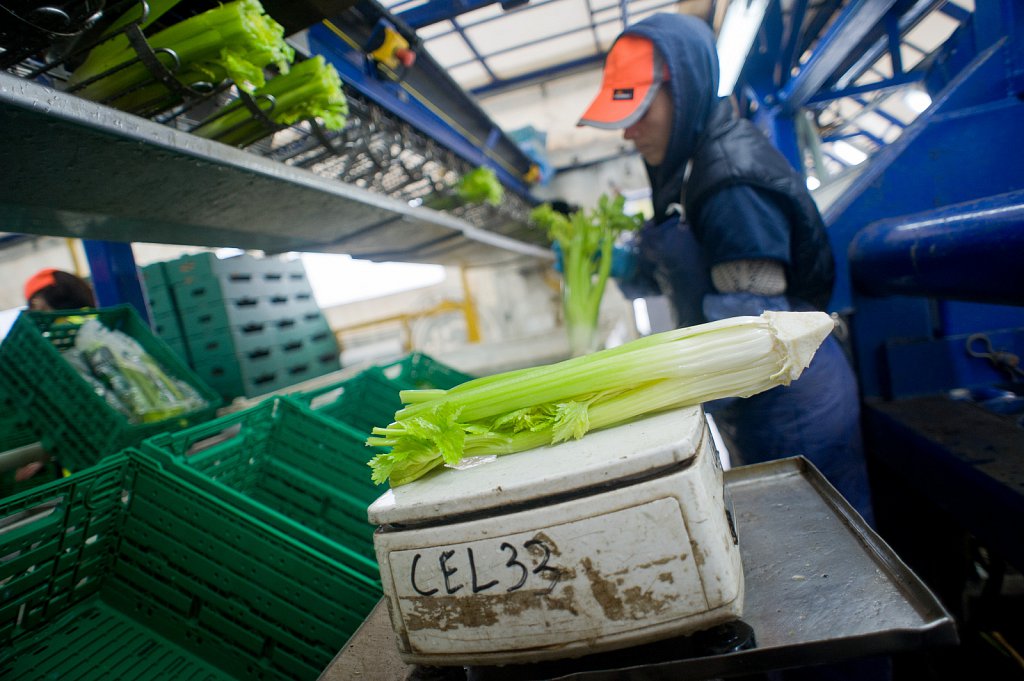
(735, 232)
(53, 289)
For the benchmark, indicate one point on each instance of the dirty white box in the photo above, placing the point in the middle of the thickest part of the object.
(617, 539)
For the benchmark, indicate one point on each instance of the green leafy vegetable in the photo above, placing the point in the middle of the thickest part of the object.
(586, 241)
(311, 89)
(530, 408)
(235, 41)
(481, 186)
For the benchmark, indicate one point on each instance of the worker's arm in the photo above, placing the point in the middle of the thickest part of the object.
(744, 234)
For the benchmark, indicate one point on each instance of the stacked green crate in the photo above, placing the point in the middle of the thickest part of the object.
(371, 397)
(75, 424)
(285, 465)
(251, 325)
(15, 425)
(127, 572)
(163, 310)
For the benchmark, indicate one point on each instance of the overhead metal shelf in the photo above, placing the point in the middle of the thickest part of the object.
(81, 169)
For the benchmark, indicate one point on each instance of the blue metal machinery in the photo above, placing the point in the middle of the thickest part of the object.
(928, 240)
(958, 151)
(423, 95)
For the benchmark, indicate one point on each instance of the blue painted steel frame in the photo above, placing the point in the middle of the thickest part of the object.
(356, 71)
(955, 153)
(855, 22)
(967, 252)
(115, 277)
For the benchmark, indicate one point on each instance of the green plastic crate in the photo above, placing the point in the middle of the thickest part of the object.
(202, 280)
(16, 428)
(231, 378)
(371, 397)
(255, 362)
(284, 338)
(127, 572)
(286, 466)
(363, 401)
(418, 370)
(166, 325)
(76, 425)
(237, 276)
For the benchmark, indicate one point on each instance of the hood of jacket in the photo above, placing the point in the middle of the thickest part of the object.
(688, 46)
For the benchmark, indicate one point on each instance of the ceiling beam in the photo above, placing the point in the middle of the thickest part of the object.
(436, 11)
(539, 75)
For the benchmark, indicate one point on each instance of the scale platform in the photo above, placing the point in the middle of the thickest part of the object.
(821, 587)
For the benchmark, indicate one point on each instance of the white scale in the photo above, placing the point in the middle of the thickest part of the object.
(614, 540)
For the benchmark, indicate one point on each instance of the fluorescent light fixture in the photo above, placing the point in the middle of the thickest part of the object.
(813, 182)
(739, 28)
(849, 153)
(917, 100)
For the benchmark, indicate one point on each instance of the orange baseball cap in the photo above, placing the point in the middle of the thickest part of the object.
(633, 72)
(38, 281)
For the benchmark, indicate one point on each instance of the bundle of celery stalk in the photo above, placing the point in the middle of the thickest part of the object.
(529, 408)
(234, 41)
(310, 89)
(127, 377)
(586, 241)
(479, 185)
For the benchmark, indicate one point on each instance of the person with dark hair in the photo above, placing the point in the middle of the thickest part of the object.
(53, 289)
(735, 232)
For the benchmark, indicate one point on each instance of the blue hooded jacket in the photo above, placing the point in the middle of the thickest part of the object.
(688, 47)
(741, 199)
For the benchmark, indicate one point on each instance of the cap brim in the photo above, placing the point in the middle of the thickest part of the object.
(609, 113)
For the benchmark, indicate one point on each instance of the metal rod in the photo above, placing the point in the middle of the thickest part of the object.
(970, 251)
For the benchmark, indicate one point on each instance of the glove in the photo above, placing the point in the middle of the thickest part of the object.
(624, 258)
(556, 248)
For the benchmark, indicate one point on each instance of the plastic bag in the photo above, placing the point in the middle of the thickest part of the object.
(125, 369)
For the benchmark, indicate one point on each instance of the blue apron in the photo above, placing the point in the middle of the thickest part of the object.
(817, 416)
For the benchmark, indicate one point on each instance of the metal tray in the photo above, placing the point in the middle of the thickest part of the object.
(821, 587)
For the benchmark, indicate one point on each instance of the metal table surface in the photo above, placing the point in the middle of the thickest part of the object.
(821, 586)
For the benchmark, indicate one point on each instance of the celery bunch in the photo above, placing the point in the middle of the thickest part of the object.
(128, 377)
(310, 89)
(529, 408)
(480, 185)
(586, 240)
(236, 40)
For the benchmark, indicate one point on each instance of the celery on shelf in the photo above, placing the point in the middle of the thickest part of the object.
(480, 185)
(529, 408)
(118, 43)
(310, 89)
(236, 40)
(586, 240)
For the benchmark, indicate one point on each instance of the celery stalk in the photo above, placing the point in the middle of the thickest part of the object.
(235, 41)
(529, 408)
(311, 88)
(587, 241)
